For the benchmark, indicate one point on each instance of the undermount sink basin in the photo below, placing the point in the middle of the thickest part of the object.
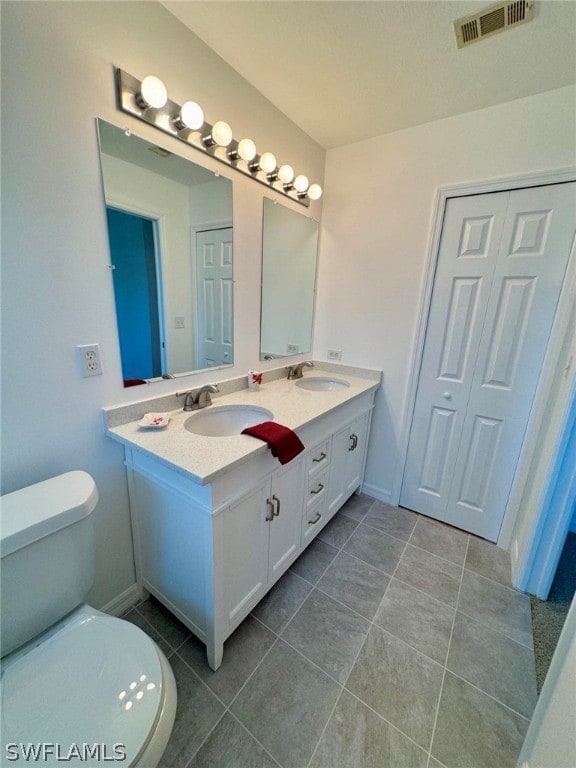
(322, 383)
(226, 420)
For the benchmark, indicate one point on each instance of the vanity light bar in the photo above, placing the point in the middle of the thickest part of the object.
(148, 101)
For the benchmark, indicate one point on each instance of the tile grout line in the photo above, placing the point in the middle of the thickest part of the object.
(497, 631)
(498, 583)
(308, 764)
(227, 706)
(249, 732)
(490, 696)
(371, 624)
(343, 688)
(381, 717)
(447, 655)
(205, 739)
(372, 621)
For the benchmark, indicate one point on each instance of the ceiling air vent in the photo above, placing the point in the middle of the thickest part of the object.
(496, 18)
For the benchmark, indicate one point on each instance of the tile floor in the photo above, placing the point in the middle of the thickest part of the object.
(393, 641)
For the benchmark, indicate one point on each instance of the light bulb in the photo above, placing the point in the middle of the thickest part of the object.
(153, 93)
(191, 116)
(286, 174)
(222, 133)
(314, 191)
(267, 162)
(247, 150)
(301, 183)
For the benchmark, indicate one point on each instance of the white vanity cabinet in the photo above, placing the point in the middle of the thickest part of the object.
(210, 549)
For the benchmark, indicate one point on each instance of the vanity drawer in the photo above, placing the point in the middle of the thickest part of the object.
(319, 458)
(314, 516)
(317, 490)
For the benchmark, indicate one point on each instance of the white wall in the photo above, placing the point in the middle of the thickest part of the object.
(57, 77)
(377, 226)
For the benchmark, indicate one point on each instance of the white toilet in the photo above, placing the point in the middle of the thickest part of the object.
(78, 686)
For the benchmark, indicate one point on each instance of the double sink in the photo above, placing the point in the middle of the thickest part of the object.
(229, 420)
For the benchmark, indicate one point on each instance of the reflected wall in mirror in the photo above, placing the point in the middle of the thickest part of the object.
(170, 234)
(289, 247)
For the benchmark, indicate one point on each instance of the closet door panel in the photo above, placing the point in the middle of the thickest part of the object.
(468, 253)
(536, 241)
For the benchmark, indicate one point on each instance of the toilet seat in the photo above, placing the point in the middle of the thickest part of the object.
(91, 680)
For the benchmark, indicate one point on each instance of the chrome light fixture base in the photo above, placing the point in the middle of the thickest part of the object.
(167, 120)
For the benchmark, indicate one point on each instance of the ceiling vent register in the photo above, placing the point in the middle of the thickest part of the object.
(496, 18)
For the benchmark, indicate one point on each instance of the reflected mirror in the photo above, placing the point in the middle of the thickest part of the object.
(289, 246)
(170, 234)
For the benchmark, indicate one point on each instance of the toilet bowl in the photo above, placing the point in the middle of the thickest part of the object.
(79, 687)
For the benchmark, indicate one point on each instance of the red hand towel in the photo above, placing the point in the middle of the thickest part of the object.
(284, 443)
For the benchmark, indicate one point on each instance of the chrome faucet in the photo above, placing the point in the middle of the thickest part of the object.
(200, 399)
(295, 371)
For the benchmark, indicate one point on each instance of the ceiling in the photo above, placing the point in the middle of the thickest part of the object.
(348, 70)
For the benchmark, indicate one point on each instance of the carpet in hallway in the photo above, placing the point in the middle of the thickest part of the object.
(548, 616)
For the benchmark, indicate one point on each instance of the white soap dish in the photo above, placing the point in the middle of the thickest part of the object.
(154, 421)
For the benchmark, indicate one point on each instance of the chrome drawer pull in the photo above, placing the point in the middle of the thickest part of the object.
(354, 439)
(277, 500)
(321, 457)
(315, 520)
(320, 488)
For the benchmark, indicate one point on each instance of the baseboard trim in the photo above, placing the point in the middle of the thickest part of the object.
(124, 601)
(382, 494)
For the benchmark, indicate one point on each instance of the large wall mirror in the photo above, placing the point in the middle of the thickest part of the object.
(289, 247)
(170, 233)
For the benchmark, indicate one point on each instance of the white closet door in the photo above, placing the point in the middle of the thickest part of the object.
(214, 296)
(476, 435)
(468, 253)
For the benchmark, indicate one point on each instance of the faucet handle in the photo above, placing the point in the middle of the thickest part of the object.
(188, 399)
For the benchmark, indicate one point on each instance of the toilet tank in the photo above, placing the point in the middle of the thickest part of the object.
(46, 554)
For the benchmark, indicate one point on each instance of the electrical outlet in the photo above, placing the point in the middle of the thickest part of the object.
(334, 354)
(90, 360)
(292, 349)
(178, 322)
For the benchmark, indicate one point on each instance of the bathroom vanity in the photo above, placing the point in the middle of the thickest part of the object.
(217, 520)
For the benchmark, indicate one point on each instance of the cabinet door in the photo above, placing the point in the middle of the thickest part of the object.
(347, 463)
(356, 450)
(245, 560)
(285, 501)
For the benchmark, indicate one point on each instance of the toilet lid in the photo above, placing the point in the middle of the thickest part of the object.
(92, 688)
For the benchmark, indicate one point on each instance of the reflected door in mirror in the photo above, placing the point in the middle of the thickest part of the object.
(214, 297)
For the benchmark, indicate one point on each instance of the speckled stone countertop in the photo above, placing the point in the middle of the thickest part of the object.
(204, 458)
